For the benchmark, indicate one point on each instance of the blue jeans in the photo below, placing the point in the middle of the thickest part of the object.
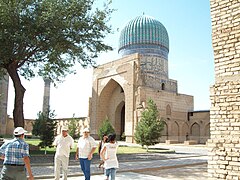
(85, 166)
(110, 172)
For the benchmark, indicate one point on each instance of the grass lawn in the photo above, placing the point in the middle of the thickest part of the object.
(121, 149)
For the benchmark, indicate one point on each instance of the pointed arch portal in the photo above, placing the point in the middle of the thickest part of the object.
(112, 105)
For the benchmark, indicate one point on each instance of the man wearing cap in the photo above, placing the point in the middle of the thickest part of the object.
(64, 142)
(15, 154)
(85, 148)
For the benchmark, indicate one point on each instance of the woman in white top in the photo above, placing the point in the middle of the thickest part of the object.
(109, 156)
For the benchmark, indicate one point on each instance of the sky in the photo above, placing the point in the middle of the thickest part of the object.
(190, 59)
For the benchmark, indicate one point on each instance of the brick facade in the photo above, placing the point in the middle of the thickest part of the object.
(224, 148)
(121, 91)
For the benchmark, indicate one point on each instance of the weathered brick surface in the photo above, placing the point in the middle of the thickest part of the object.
(224, 146)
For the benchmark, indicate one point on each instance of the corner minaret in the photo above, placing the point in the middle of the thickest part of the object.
(46, 96)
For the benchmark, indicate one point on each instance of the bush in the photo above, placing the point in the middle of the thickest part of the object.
(123, 137)
(105, 128)
(73, 127)
(44, 127)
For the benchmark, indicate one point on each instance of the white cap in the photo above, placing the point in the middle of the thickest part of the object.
(85, 130)
(19, 131)
(64, 128)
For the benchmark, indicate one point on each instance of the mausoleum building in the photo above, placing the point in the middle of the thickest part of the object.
(121, 88)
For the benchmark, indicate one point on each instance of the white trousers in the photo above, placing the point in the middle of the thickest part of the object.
(58, 161)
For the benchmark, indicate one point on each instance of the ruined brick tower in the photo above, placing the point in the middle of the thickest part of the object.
(46, 96)
(224, 142)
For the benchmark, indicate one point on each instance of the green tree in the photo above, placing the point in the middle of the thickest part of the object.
(73, 127)
(148, 129)
(105, 128)
(47, 38)
(44, 127)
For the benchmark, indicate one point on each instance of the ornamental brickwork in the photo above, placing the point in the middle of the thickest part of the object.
(224, 142)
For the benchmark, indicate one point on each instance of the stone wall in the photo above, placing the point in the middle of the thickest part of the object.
(10, 126)
(82, 122)
(224, 143)
(199, 126)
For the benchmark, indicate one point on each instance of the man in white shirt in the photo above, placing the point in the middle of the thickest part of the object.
(64, 142)
(85, 148)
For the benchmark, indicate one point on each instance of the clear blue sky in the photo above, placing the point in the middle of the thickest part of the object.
(191, 61)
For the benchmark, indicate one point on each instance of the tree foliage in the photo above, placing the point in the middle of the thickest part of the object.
(47, 38)
(105, 128)
(73, 128)
(44, 127)
(148, 129)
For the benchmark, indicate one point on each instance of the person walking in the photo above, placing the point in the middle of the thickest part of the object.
(109, 156)
(63, 142)
(100, 147)
(85, 148)
(15, 154)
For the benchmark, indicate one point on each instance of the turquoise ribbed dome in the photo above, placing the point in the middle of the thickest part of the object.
(143, 32)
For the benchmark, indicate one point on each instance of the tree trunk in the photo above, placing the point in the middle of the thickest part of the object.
(18, 116)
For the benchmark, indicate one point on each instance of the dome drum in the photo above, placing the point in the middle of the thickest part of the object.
(145, 49)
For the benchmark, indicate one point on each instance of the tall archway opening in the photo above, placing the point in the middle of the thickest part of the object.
(120, 120)
(195, 132)
(112, 105)
(123, 120)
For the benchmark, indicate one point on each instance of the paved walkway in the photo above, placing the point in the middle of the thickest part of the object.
(184, 173)
(188, 163)
(159, 169)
